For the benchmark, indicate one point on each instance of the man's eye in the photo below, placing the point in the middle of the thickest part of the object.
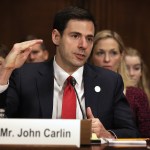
(75, 36)
(90, 39)
(34, 52)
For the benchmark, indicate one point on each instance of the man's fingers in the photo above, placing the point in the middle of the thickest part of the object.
(27, 44)
(30, 43)
(89, 113)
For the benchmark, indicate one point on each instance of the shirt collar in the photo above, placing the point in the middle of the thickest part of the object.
(61, 76)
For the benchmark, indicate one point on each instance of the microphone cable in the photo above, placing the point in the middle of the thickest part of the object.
(73, 83)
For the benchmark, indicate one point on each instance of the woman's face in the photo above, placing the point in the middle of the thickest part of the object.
(134, 68)
(106, 54)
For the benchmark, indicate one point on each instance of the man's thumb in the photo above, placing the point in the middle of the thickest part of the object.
(89, 113)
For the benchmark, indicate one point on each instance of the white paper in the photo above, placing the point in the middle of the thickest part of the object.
(127, 142)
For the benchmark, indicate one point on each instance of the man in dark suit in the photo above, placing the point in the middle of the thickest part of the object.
(36, 90)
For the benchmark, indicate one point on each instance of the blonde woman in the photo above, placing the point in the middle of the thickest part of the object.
(137, 70)
(108, 51)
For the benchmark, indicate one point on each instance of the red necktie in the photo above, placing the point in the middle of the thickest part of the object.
(69, 101)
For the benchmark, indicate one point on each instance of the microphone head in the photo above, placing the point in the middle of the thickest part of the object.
(73, 81)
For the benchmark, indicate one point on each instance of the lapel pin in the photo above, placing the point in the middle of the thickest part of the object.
(97, 89)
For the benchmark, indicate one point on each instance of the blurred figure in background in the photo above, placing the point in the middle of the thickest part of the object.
(108, 52)
(3, 53)
(39, 51)
(137, 70)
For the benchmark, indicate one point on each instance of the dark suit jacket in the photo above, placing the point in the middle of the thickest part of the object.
(30, 95)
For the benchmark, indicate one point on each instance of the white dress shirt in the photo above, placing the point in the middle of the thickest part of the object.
(60, 77)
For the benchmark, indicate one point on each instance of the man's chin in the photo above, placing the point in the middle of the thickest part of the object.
(79, 64)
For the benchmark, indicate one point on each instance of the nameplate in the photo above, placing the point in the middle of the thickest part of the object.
(40, 132)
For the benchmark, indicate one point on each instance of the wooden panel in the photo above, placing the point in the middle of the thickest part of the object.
(130, 18)
(20, 18)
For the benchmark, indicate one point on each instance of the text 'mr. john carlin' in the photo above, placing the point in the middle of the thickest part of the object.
(62, 133)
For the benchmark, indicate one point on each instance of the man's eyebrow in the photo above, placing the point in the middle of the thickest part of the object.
(75, 32)
(34, 51)
(90, 35)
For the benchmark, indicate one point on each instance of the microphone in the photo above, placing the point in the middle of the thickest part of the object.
(73, 83)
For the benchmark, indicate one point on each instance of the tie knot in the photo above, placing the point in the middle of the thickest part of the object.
(71, 80)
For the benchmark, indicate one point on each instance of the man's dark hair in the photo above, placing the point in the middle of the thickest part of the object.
(65, 15)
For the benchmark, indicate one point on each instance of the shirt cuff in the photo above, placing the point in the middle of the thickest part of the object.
(115, 136)
(3, 88)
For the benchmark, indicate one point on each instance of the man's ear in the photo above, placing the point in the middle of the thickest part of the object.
(56, 36)
(46, 55)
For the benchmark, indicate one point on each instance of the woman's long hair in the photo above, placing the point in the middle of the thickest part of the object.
(106, 34)
(144, 82)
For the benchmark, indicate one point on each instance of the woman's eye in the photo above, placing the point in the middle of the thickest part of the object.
(114, 53)
(138, 68)
(100, 53)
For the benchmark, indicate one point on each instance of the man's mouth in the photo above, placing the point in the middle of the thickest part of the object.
(80, 56)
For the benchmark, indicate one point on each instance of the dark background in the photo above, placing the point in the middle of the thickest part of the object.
(130, 18)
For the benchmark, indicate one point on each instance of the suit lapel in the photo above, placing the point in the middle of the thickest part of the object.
(92, 95)
(45, 86)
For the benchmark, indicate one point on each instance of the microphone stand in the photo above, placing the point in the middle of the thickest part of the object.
(73, 82)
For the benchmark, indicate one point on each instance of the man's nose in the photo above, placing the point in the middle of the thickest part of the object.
(32, 56)
(83, 43)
